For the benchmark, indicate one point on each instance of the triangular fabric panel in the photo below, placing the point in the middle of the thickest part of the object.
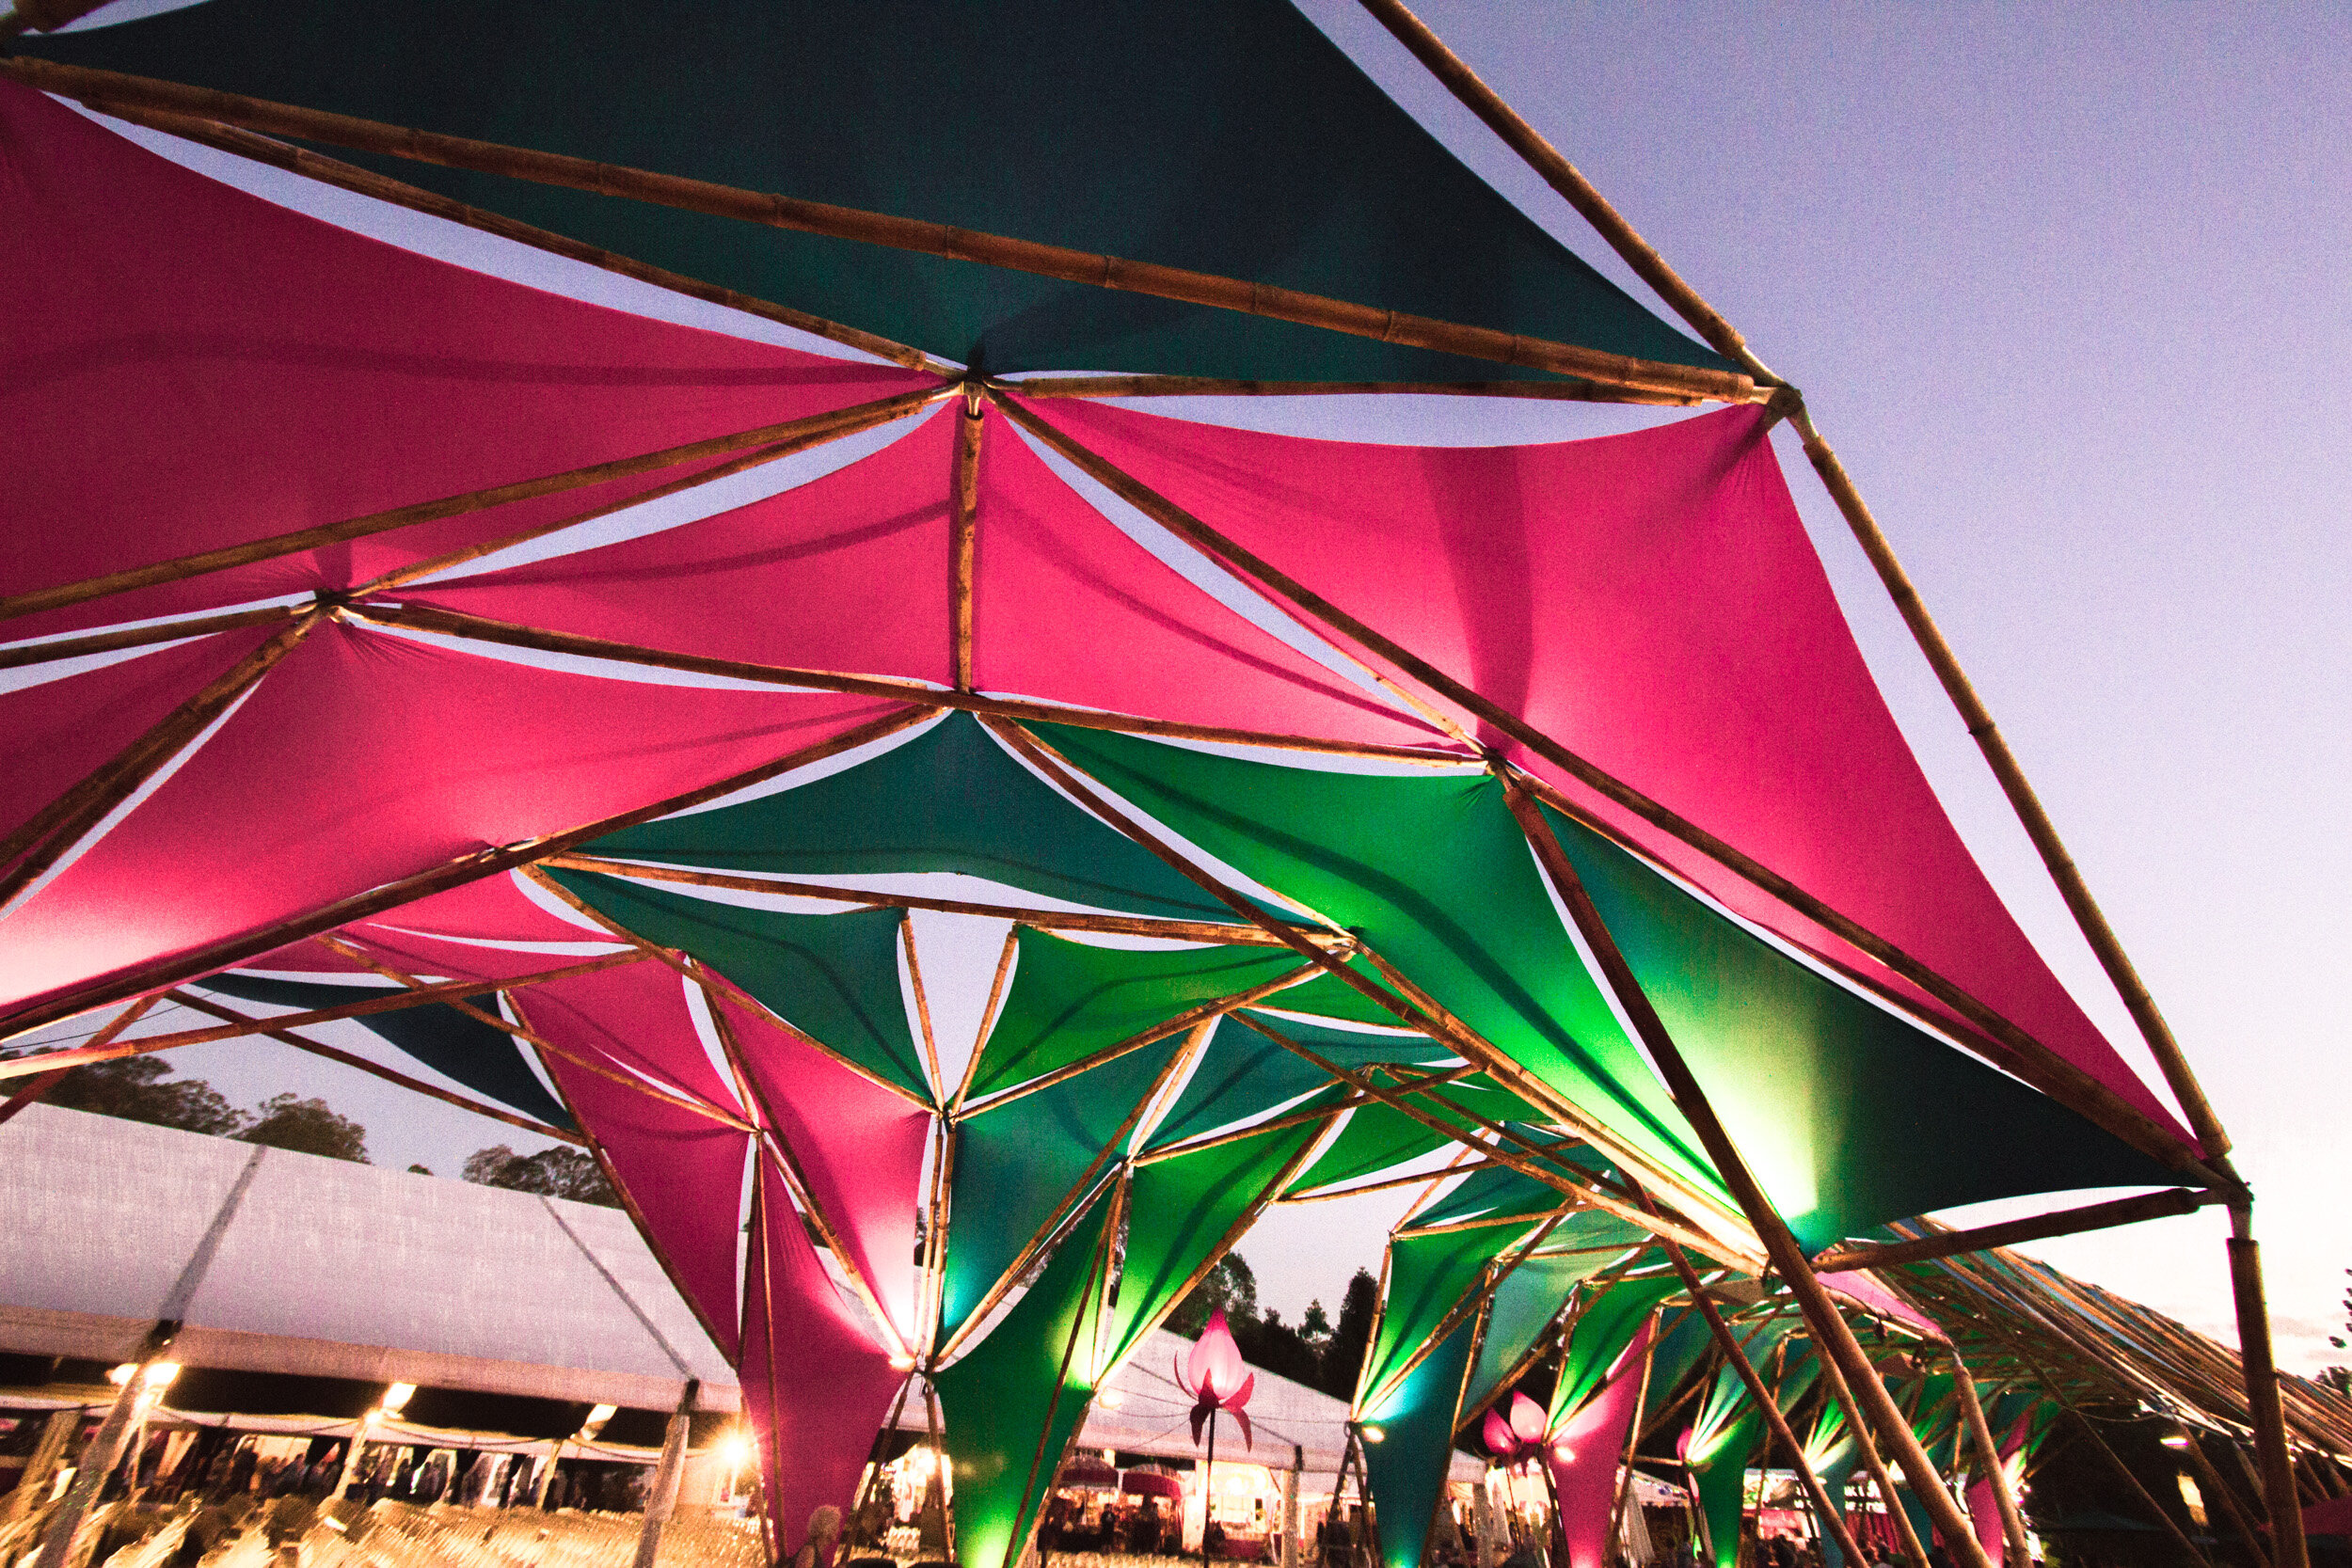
(361, 759)
(816, 1386)
(1848, 1114)
(1585, 1454)
(1428, 1276)
(833, 977)
(841, 574)
(1651, 601)
(1329, 996)
(1407, 1466)
(1380, 1137)
(1066, 608)
(681, 1172)
(859, 1148)
(1436, 875)
(194, 368)
(1720, 1407)
(1247, 145)
(1071, 999)
(1524, 1305)
(1242, 1073)
(486, 1060)
(1013, 1404)
(1179, 1213)
(948, 799)
(1608, 1324)
(1017, 1162)
(1721, 1481)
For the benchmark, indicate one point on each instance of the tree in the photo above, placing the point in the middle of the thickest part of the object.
(571, 1173)
(307, 1127)
(2340, 1378)
(1315, 1327)
(1343, 1352)
(1230, 1285)
(128, 1087)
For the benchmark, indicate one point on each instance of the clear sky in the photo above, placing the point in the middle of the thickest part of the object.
(2063, 285)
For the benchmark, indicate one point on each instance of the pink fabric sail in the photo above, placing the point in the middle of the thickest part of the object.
(191, 368)
(364, 758)
(682, 1172)
(1859, 1286)
(816, 1386)
(1066, 608)
(859, 1146)
(847, 573)
(61, 730)
(1651, 601)
(1585, 1454)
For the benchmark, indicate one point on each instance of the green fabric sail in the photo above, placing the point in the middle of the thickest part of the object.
(1721, 1406)
(1010, 1406)
(1381, 1137)
(1427, 1278)
(1496, 1190)
(1684, 1342)
(1436, 876)
(485, 1060)
(1178, 1215)
(1832, 1452)
(1524, 1305)
(1244, 144)
(1407, 1465)
(1070, 999)
(1848, 1114)
(834, 978)
(1608, 1324)
(1242, 1073)
(1329, 996)
(1017, 1162)
(948, 800)
(1722, 1481)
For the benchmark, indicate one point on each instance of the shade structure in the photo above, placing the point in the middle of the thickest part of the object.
(1330, 809)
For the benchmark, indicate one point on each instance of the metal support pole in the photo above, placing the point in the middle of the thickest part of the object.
(661, 1497)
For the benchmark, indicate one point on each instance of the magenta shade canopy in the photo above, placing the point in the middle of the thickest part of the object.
(1585, 1479)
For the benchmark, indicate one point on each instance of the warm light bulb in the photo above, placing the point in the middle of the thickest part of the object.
(735, 1450)
(160, 1374)
(1110, 1399)
(1374, 1434)
(1563, 1452)
(121, 1374)
(396, 1397)
(902, 1362)
(2175, 1441)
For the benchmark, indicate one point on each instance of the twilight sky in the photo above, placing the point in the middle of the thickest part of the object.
(2061, 286)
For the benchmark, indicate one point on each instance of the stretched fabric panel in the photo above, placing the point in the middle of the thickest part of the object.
(1329, 996)
(453, 1044)
(1585, 1454)
(1428, 1276)
(1379, 1137)
(193, 367)
(1071, 999)
(1608, 1324)
(364, 758)
(1246, 145)
(1721, 1481)
(1651, 601)
(1848, 1114)
(62, 730)
(859, 1149)
(682, 1173)
(1831, 1450)
(1068, 608)
(1474, 926)
(1526, 1304)
(948, 800)
(816, 1388)
(1499, 1190)
(1407, 1466)
(1179, 1215)
(843, 573)
(833, 977)
(1242, 1073)
(492, 928)
(1014, 1402)
(1721, 1406)
(1017, 1162)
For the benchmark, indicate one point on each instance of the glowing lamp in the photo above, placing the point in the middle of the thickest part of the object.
(396, 1397)
(1110, 1399)
(1374, 1434)
(2178, 1440)
(1217, 1378)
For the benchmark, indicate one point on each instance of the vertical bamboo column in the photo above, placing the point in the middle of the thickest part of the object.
(1830, 1333)
(662, 1498)
(2261, 1394)
(2209, 1478)
(104, 1452)
(1981, 1433)
(963, 537)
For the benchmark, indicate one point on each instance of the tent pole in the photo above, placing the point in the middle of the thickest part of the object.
(47, 1080)
(2066, 1222)
(1829, 1332)
(661, 1500)
(1898, 1518)
(963, 492)
(1765, 1401)
(1997, 1474)
(104, 1452)
(2262, 1392)
(2211, 1478)
(1633, 1439)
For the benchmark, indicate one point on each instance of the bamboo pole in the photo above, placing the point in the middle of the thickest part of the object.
(922, 1009)
(41, 1084)
(1765, 1402)
(2228, 1499)
(988, 1021)
(449, 623)
(963, 491)
(415, 1085)
(1996, 1473)
(2066, 1222)
(52, 832)
(104, 90)
(661, 1497)
(1633, 1439)
(344, 532)
(157, 974)
(2043, 1068)
(1829, 1332)
(2261, 1394)
(1213, 386)
(1044, 920)
(1473, 1303)
(349, 177)
(21, 654)
(1392, 1182)
(1242, 1134)
(1897, 1517)
(103, 1453)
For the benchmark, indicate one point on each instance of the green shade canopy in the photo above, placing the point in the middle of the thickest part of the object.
(1018, 1163)
(1524, 1305)
(1012, 1404)
(1427, 1277)
(834, 978)
(1407, 1466)
(1380, 1137)
(1608, 1324)
(1071, 999)
(1243, 1073)
(1239, 139)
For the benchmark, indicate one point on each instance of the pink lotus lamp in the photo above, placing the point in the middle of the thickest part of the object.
(1216, 1378)
(1508, 1438)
